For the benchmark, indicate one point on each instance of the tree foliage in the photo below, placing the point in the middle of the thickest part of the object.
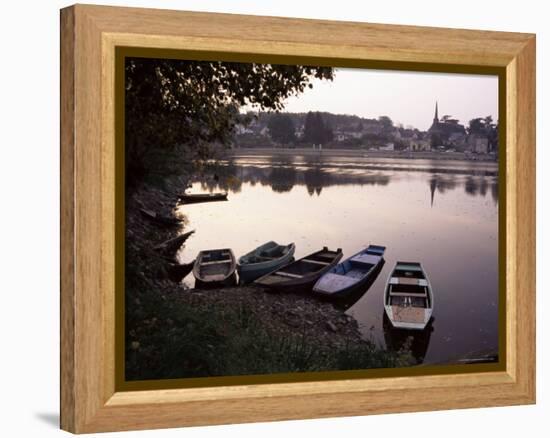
(476, 126)
(484, 126)
(281, 128)
(387, 123)
(174, 107)
(315, 129)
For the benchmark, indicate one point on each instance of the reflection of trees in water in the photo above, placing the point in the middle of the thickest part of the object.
(480, 186)
(283, 174)
(483, 186)
(473, 186)
(494, 191)
(441, 183)
(216, 177)
(282, 178)
(315, 179)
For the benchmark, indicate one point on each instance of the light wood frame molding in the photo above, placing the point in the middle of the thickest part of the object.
(89, 36)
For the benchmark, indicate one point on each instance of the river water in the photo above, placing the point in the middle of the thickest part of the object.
(442, 213)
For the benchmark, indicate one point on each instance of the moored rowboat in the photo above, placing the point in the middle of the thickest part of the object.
(264, 259)
(194, 198)
(215, 267)
(352, 274)
(303, 273)
(408, 297)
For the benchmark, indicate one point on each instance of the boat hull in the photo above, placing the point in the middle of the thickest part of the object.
(202, 197)
(215, 268)
(227, 282)
(301, 275)
(249, 272)
(407, 316)
(354, 274)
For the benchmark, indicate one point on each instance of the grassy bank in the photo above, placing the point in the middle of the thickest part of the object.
(173, 332)
(240, 331)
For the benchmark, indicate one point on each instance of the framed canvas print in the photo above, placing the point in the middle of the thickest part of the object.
(273, 218)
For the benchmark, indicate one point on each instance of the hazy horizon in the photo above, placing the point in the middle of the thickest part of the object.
(406, 97)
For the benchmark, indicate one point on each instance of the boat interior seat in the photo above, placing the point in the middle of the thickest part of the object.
(326, 255)
(332, 282)
(271, 252)
(318, 262)
(264, 258)
(288, 274)
(215, 262)
(409, 280)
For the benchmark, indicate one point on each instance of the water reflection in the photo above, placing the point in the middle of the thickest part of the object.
(417, 341)
(473, 186)
(283, 178)
(283, 174)
(446, 220)
(441, 183)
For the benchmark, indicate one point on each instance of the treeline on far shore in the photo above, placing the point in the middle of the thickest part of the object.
(344, 131)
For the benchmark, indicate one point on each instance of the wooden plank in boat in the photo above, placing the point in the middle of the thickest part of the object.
(408, 314)
(407, 280)
(409, 294)
(215, 262)
(214, 277)
(315, 262)
(326, 255)
(288, 274)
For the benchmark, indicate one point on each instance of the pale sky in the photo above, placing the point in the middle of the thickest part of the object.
(406, 97)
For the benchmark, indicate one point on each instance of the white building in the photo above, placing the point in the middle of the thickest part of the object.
(420, 145)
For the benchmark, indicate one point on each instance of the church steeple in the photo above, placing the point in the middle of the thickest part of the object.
(436, 116)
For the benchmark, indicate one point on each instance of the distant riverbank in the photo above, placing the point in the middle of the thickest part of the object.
(363, 153)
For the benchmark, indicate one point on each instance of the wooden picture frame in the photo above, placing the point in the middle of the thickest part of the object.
(90, 36)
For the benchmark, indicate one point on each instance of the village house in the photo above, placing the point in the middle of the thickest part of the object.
(420, 145)
(241, 129)
(389, 146)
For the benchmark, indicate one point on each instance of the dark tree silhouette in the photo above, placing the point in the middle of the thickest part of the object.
(176, 106)
(281, 128)
(315, 129)
(386, 122)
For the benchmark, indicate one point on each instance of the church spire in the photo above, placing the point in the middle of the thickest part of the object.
(436, 117)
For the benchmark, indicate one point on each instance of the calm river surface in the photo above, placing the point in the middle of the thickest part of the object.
(443, 214)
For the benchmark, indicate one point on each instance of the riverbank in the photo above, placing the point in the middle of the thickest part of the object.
(363, 153)
(175, 332)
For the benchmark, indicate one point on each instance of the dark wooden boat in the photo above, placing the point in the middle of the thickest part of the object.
(215, 267)
(264, 259)
(195, 198)
(158, 219)
(302, 274)
(352, 274)
(177, 272)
